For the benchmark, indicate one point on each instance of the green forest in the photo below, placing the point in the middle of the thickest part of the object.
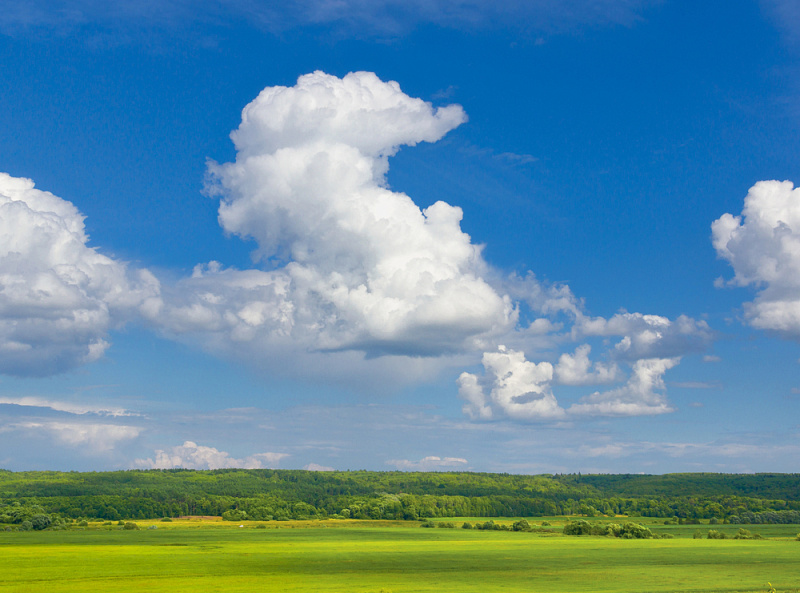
(265, 495)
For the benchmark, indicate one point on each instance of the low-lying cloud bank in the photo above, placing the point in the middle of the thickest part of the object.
(353, 281)
(190, 455)
(431, 463)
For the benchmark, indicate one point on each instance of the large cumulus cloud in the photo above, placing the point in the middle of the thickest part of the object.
(346, 264)
(58, 296)
(763, 246)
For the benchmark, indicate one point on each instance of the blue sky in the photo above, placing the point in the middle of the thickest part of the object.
(518, 237)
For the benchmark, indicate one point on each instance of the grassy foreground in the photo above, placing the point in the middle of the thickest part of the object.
(350, 557)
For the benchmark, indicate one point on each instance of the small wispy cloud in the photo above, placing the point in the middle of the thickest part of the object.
(522, 159)
(786, 16)
(384, 19)
(684, 449)
(97, 438)
(445, 93)
(429, 464)
(475, 151)
(69, 407)
(696, 384)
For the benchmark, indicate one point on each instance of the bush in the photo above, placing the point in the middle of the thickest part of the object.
(521, 525)
(466, 525)
(626, 531)
(636, 531)
(130, 525)
(578, 528)
(746, 534)
(608, 529)
(261, 526)
(714, 534)
(427, 524)
(446, 525)
(492, 526)
(166, 520)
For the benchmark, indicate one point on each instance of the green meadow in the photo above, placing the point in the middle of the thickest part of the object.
(370, 557)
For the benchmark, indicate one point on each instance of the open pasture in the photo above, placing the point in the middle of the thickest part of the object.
(188, 557)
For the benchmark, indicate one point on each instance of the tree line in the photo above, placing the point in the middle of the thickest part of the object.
(278, 495)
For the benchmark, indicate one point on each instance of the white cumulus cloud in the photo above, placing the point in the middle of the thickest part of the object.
(190, 455)
(58, 296)
(647, 336)
(347, 265)
(763, 247)
(514, 386)
(577, 369)
(642, 395)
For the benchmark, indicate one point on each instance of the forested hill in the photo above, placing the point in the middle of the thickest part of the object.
(283, 494)
(775, 486)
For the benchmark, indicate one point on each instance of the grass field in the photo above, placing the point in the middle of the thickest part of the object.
(356, 557)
